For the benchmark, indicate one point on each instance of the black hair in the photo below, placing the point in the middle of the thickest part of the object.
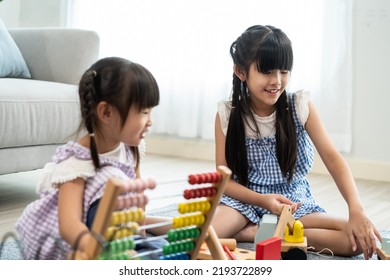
(122, 84)
(269, 48)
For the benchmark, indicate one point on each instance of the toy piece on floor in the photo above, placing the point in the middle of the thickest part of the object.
(269, 249)
(121, 208)
(231, 245)
(383, 253)
(266, 228)
(290, 231)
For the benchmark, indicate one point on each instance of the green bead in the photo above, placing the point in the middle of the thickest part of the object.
(167, 249)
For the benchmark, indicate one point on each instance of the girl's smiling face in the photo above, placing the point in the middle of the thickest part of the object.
(136, 126)
(265, 88)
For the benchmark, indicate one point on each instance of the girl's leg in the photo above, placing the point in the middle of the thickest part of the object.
(247, 234)
(230, 223)
(324, 231)
(155, 220)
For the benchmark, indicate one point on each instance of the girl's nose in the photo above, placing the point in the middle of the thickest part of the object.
(149, 122)
(276, 78)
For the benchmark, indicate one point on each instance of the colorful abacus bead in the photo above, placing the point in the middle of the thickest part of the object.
(125, 216)
(199, 192)
(115, 232)
(179, 256)
(188, 220)
(183, 233)
(138, 185)
(213, 177)
(193, 206)
(178, 247)
(120, 245)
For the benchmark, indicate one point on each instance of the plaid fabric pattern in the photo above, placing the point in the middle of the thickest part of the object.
(265, 176)
(38, 226)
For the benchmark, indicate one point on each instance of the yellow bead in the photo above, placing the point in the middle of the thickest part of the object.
(114, 218)
(122, 217)
(141, 213)
(129, 216)
(109, 233)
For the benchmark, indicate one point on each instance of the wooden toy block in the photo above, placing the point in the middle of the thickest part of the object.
(266, 228)
(269, 249)
(285, 219)
(231, 244)
(287, 245)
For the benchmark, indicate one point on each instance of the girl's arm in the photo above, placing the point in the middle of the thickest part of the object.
(70, 211)
(271, 202)
(360, 226)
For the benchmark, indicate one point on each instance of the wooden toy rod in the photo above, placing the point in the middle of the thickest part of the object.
(226, 174)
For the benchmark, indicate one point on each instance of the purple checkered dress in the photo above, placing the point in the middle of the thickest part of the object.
(38, 225)
(265, 176)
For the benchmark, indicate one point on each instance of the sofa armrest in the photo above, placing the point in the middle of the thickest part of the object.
(57, 54)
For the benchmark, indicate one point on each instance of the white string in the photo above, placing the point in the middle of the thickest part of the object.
(320, 253)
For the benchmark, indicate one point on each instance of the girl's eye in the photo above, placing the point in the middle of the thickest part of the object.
(146, 111)
(284, 72)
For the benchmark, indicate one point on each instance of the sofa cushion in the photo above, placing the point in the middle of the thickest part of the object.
(12, 62)
(36, 112)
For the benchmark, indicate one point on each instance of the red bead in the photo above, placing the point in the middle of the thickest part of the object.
(188, 194)
(202, 178)
(192, 179)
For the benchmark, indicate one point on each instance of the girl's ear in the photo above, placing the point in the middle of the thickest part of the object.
(104, 112)
(239, 73)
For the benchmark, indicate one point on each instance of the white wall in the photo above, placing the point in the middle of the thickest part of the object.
(371, 116)
(33, 13)
(9, 12)
(370, 155)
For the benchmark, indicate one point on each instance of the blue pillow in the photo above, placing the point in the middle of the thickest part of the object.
(12, 64)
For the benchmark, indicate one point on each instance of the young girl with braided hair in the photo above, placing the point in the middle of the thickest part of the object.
(266, 136)
(116, 101)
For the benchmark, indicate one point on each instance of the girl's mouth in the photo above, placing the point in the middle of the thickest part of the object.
(272, 91)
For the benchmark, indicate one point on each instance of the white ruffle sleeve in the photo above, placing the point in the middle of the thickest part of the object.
(224, 108)
(65, 171)
(302, 104)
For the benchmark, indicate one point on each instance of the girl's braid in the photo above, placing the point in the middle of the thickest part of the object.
(88, 98)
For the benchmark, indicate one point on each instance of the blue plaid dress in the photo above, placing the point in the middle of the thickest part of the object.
(265, 176)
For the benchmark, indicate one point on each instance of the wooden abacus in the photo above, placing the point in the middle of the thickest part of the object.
(121, 208)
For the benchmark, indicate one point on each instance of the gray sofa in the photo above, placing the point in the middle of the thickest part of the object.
(39, 114)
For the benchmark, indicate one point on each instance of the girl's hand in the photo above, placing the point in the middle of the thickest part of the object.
(362, 230)
(274, 203)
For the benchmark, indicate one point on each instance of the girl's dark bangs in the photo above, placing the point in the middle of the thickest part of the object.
(274, 56)
(145, 91)
(150, 95)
